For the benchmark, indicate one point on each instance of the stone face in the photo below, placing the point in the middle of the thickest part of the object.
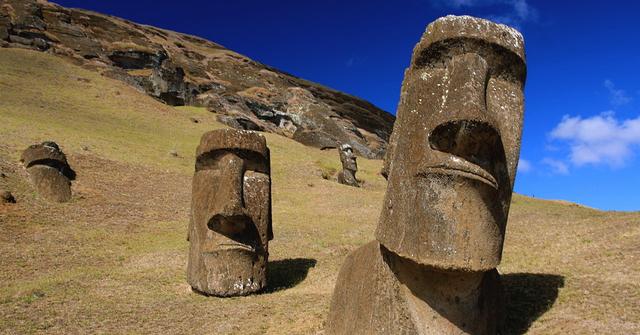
(455, 146)
(230, 227)
(49, 171)
(450, 167)
(349, 166)
(50, 183)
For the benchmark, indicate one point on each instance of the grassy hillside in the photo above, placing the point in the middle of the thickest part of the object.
(113, 259)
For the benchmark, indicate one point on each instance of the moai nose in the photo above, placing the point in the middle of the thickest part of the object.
(231, 192)
(468, 130)
(466, 88)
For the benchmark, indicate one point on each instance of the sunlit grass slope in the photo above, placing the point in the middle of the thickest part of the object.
(113, 259)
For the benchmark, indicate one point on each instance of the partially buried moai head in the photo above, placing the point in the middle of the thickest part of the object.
(49, 171)
(231, 214)
(348, 158)
(455, 146)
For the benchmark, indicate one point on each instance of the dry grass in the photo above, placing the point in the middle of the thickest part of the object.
(113, 259)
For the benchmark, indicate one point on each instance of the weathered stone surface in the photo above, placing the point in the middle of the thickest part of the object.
(50, 183)
(49, 171)
(455, 146)
(47, 153)
(450, 167)
(349, 166)
(230, 228)
(314, 138)
(378, 292)
(181, 69)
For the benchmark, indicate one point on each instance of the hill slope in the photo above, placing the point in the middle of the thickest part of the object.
(113, 259)
(180, 69)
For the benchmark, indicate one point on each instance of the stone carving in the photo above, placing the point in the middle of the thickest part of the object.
(451, 166)
(230, 226)
(49, 171)
(349, 166)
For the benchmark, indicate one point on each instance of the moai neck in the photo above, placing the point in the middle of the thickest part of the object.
(447, 302)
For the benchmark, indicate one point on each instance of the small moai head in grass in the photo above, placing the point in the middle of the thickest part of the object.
(455, 146)
(349, 166)
(49, 171)
(230, 214)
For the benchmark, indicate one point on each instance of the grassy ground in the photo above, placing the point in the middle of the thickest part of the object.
(113, 259)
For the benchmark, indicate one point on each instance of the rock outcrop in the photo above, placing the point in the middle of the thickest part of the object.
(451, 168)
(180, 69)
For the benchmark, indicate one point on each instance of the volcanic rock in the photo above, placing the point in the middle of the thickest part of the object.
(180, 69)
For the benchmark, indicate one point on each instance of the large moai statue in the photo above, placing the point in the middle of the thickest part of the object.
(230, 225)
(451, 168)
(49, 171)
(349, 166)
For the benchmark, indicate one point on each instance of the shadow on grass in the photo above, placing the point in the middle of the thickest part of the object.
(528, 296)
(287, 273)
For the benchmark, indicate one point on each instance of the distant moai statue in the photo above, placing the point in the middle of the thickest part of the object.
(349, 166)
(49, 171)
(451, 168)
(230, 225)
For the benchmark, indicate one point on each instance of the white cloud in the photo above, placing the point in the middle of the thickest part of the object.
(515, 12)
(617, 97)
(524, 166)
(600, 139)
(349, 62)
(556, 166)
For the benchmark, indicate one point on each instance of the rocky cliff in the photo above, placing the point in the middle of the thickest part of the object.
(181, 69)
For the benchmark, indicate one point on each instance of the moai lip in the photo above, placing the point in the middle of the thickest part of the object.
(452, 158)
(49, 171)
(450, 167)
(349, 166)
(230, 224)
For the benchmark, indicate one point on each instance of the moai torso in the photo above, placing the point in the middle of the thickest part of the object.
(349, 166)
(450, 166)
(230, 226)
(49, 171)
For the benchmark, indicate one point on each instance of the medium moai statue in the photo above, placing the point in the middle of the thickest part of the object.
(49, 171)
(349, 166)
(230, 225)
(451, 169)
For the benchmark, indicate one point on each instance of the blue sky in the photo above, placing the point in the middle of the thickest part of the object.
(582, 121)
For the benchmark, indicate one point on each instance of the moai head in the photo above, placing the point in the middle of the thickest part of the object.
(349, 167)
(455, 146)
(231, 214)
(49, 171)
(348, 158)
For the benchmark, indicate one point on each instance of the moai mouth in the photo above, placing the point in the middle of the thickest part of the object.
(238, 228)
(475, 151)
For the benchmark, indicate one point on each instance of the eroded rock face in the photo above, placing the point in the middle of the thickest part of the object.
(181, 69)
(230, 227)
(451, 166)
(49, 171)
(349, 166)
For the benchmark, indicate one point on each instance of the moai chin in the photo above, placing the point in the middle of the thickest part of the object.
(230, 225)
(349, 166)
(451, 166)
(49, 171)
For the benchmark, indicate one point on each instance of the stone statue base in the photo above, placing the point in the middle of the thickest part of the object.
(378, 292)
